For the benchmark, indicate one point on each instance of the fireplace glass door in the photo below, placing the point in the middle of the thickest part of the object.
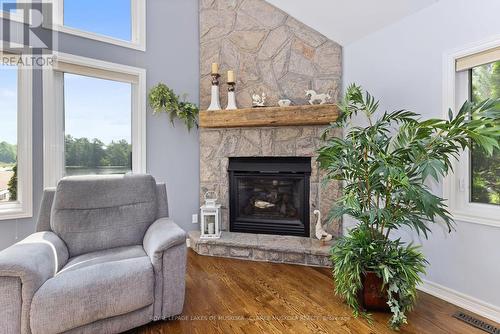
(270, 202)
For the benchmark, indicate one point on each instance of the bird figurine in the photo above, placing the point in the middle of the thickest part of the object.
(321, 234)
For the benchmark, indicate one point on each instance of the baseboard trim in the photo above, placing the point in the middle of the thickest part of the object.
(459, 299)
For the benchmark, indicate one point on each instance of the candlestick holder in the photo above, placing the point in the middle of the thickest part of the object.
(215, 100)
(231, 96)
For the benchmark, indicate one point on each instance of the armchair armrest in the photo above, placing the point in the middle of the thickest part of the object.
(34, 259)
(30, 262)
(160, 236)
(165, 244)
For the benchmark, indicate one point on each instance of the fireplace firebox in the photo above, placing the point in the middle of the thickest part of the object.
(269, 195)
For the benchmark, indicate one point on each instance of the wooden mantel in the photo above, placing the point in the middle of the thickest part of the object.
(270, 116)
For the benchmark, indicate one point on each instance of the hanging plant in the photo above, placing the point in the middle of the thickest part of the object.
(163, 99)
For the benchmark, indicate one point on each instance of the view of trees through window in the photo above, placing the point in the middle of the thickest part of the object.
(8, 133)
(485, 170)
(97, 115)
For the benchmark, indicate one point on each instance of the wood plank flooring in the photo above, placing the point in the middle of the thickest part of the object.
(236, 296)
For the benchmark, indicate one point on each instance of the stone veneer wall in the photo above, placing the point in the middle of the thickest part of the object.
(270, 51)
(217, 145)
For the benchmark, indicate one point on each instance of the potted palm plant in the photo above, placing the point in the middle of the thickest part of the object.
(384, 167)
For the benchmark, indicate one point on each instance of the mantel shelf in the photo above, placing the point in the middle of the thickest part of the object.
(270, 116)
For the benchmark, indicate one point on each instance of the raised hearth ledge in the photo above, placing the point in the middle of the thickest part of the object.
(264, 247)
(270, 116)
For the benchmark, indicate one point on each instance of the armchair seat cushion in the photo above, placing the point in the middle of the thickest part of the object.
(92, 287)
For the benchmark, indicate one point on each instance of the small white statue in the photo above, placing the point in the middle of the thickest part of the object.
(284, 103)
(321, 234)
(315, 98)
(259, 100)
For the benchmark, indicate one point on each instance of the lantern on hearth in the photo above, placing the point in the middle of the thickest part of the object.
(210, 217)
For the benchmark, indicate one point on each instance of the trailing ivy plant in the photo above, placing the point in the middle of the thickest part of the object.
(384, 167)
(163, 99)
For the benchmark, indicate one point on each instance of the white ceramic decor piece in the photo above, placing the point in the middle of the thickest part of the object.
(215, 102)
(315, 98)
(259, 100)
(231, 101)
(284, 103)
(321, 234)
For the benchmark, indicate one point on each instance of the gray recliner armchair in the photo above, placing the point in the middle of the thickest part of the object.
(105, 258)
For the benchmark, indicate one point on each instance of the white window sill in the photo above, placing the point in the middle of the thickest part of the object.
(140, 46)
(463, 216)
(14, 211)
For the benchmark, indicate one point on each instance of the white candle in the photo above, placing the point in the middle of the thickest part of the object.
(211, 228)
(215, 68)
(230, 76)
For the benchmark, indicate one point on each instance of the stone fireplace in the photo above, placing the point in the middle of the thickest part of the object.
(287, 157)
(269, 195)
(272, 53)
(219, 146)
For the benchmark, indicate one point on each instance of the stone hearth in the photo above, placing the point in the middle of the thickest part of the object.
(260, 247)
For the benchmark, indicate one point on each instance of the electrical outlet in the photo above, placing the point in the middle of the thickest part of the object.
(194, 218)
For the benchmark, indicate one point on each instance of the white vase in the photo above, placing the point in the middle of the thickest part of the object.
(231, 101)
(215, 101)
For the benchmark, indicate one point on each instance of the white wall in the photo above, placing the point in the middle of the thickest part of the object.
(346, 21)
(402, 66)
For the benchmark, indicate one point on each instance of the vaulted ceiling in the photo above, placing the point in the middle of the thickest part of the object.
(346, 21)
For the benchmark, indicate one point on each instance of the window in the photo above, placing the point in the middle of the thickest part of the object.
(473, 190)
(8, 133)
(485, 170)
(15, 141)
(121, 22)
(94, 118)
(98, 118)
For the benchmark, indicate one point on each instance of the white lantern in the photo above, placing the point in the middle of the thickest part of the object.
(210, 218)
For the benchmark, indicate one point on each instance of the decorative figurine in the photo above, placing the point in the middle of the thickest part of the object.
(315, 98)
(321, 234)
(231, 97)
(259, 100)
(215, 101)
(284, 103)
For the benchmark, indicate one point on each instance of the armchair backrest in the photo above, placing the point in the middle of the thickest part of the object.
(92, 213)
(43, 219)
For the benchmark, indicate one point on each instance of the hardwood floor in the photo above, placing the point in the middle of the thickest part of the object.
(236, 296)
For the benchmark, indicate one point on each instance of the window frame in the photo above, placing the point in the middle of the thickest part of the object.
(457, 185)
(53, 109)
(138, 25)
(23, 207)
(16, 17)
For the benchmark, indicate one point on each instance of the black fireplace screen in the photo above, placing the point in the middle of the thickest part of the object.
(270, 195)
